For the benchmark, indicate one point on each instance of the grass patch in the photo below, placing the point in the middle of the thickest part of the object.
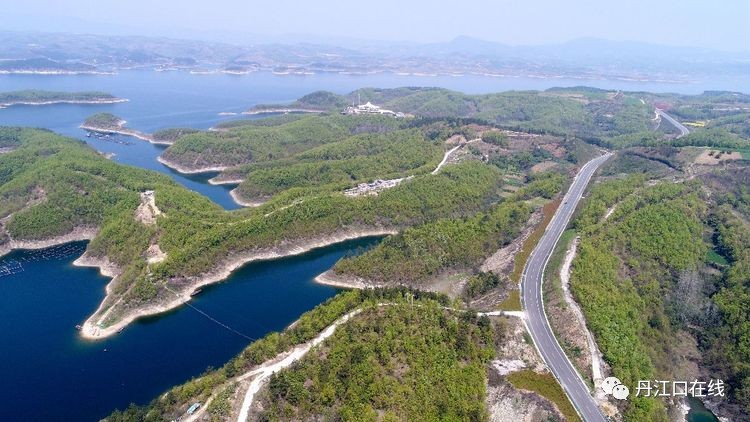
(546, 386)
(713, 257)
(523, 255)
(512, 302)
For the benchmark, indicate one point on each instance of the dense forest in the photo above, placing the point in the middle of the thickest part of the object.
(337, 165)
(442, 364)
(411, 361)
(238, 144)
(667, 260)
(657, 259)
(422, 252)
(584, 113)
(51, 185)
(103, 121)
(34, 96)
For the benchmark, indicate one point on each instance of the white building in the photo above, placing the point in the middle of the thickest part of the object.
(370, 108)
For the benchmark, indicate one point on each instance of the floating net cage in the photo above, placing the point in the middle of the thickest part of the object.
(11, 266)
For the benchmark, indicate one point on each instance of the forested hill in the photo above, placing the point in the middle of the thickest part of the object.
(245, 149)
(611, 118)
(662, 276)
(39, 97)
(256, 151)
(50, 185)
(580, 111)
(104, 121)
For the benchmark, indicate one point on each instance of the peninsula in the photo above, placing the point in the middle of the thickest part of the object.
(108, 124)
(39, 97)
(480, 177)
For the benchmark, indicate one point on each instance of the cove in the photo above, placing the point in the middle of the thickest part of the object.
(50, 373)
(698, 412)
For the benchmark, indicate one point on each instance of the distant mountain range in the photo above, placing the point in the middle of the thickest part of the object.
(38, 52)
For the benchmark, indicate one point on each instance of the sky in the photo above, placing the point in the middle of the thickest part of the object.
(718, 24)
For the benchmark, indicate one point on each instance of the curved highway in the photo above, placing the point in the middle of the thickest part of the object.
(531, 285)
(683, 130)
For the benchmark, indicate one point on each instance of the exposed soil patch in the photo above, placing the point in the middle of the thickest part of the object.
(543, 166)
(147, 211)
(518, 346)
(502, 263)
(505, 403)
(712, 157)
(154, 254)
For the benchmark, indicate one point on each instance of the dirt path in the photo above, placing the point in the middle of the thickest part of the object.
(296, 354)
(445, 159)
(596, 364)
(448, 154)
(261, 373)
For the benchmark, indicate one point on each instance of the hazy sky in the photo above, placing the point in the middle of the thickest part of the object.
(723, 24)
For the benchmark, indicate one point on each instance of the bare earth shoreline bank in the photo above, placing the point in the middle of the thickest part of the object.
(126, 132)
(280, 110)
(330, 278)
(92, 331)
(52, 102)
(233, 193)
(184, 170)
(78, 234)
(219, 181)
(245, 203)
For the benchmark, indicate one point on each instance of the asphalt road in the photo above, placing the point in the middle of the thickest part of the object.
(683, 130)
(531, 285)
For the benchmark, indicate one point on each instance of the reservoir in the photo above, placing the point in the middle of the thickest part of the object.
(160, 100)
(48, 372)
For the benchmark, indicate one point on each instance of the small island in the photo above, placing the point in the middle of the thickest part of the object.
(39, 97)
(109, 124)
(316, 102)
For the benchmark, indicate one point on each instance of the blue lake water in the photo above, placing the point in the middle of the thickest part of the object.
(48, 372)
(698, 412)
(160, 100)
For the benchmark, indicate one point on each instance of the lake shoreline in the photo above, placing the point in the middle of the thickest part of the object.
(184, 170)
(92, 331)
(76, 235)
(216, 181)
(125, 132)
(281, 110)
(53, 102)
(245, 203)
(342, 281)
(232, 193)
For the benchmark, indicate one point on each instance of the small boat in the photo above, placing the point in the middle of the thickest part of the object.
(78, 327)
(196, 292)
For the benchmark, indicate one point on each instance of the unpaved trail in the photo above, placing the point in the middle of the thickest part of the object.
(445, 159)
(261, 373)
(265, 370)
(596, 366)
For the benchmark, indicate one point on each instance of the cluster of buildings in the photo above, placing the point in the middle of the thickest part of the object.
(373, 188)
(370, 108)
